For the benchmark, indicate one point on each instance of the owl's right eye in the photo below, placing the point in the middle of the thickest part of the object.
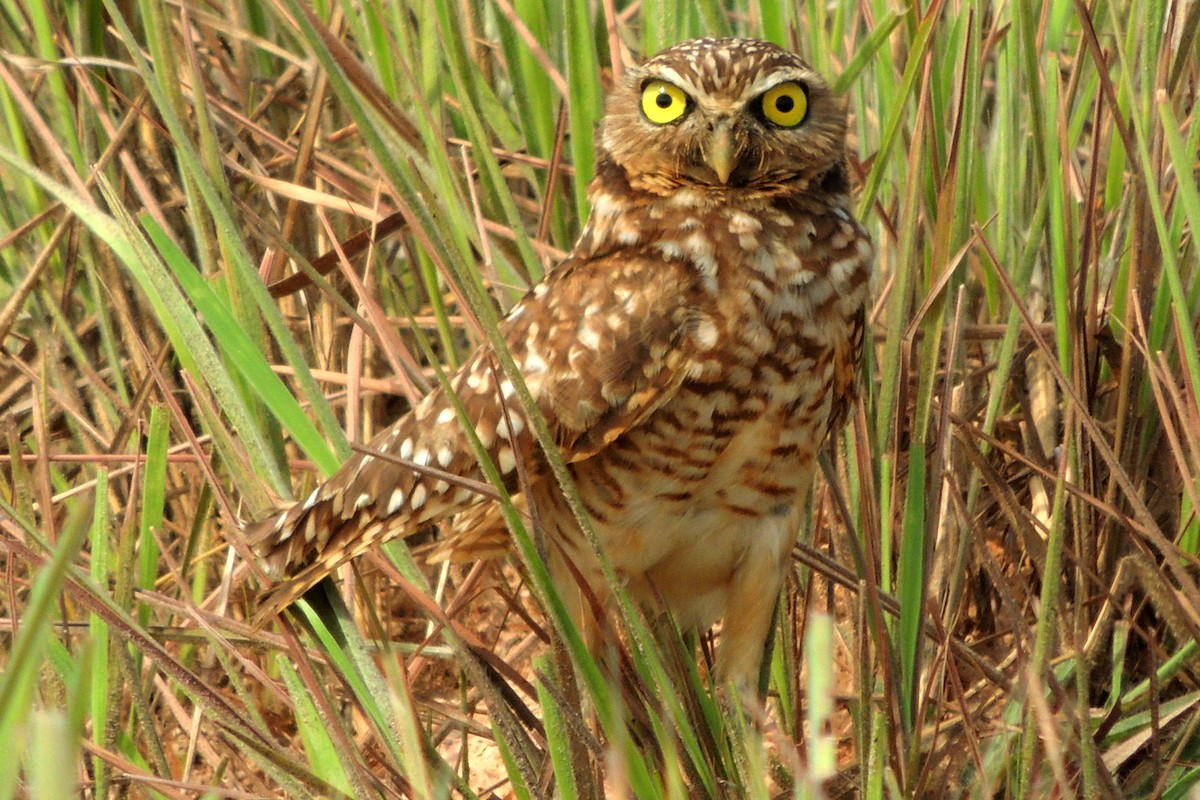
(663, 103)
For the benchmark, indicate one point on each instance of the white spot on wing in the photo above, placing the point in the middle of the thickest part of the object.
(446, 416)
(486, 434)
(406, 449)
(394, 502)
(589, 337)
(534, 363)
(510, 426)
(604, 205)
(507, 460)
(418, 497)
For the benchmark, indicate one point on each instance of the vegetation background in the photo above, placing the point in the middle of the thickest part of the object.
(995, 594)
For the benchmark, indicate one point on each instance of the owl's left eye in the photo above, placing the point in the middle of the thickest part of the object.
(785, 105)
(662, 102)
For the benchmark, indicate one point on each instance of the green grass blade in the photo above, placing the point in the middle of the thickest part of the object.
(23, 665)
(323, 754)
(240, 351)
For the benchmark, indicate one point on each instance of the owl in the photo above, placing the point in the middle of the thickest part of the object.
(690, 357)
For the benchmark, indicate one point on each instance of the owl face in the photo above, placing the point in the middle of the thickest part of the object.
(724, 115)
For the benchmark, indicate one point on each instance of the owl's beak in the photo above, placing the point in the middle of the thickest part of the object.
(719, 153)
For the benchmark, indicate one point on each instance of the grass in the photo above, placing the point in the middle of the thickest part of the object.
(996, 590)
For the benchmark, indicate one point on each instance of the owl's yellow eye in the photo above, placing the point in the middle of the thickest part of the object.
(785, 105)
(663, 103)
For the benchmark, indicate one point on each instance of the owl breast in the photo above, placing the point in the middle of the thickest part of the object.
(721, 466)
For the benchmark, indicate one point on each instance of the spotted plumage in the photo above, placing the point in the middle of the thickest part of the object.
(690, 356)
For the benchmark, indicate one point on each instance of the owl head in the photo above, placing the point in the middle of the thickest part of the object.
(724, 115)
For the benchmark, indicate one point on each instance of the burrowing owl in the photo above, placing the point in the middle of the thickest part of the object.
(690, 356)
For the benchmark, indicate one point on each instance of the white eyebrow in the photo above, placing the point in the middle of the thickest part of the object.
(774, 79)
(674, 77)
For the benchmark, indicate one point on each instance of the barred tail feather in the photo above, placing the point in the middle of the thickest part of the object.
(416, 472)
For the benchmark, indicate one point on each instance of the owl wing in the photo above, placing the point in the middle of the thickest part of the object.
(853, 261)
(603, 344)
(847, 364)
(600, 343)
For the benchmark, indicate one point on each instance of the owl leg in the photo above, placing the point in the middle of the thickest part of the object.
(753, 595)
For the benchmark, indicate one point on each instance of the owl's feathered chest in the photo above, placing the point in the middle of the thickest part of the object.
(777, 291)
(772, 273)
